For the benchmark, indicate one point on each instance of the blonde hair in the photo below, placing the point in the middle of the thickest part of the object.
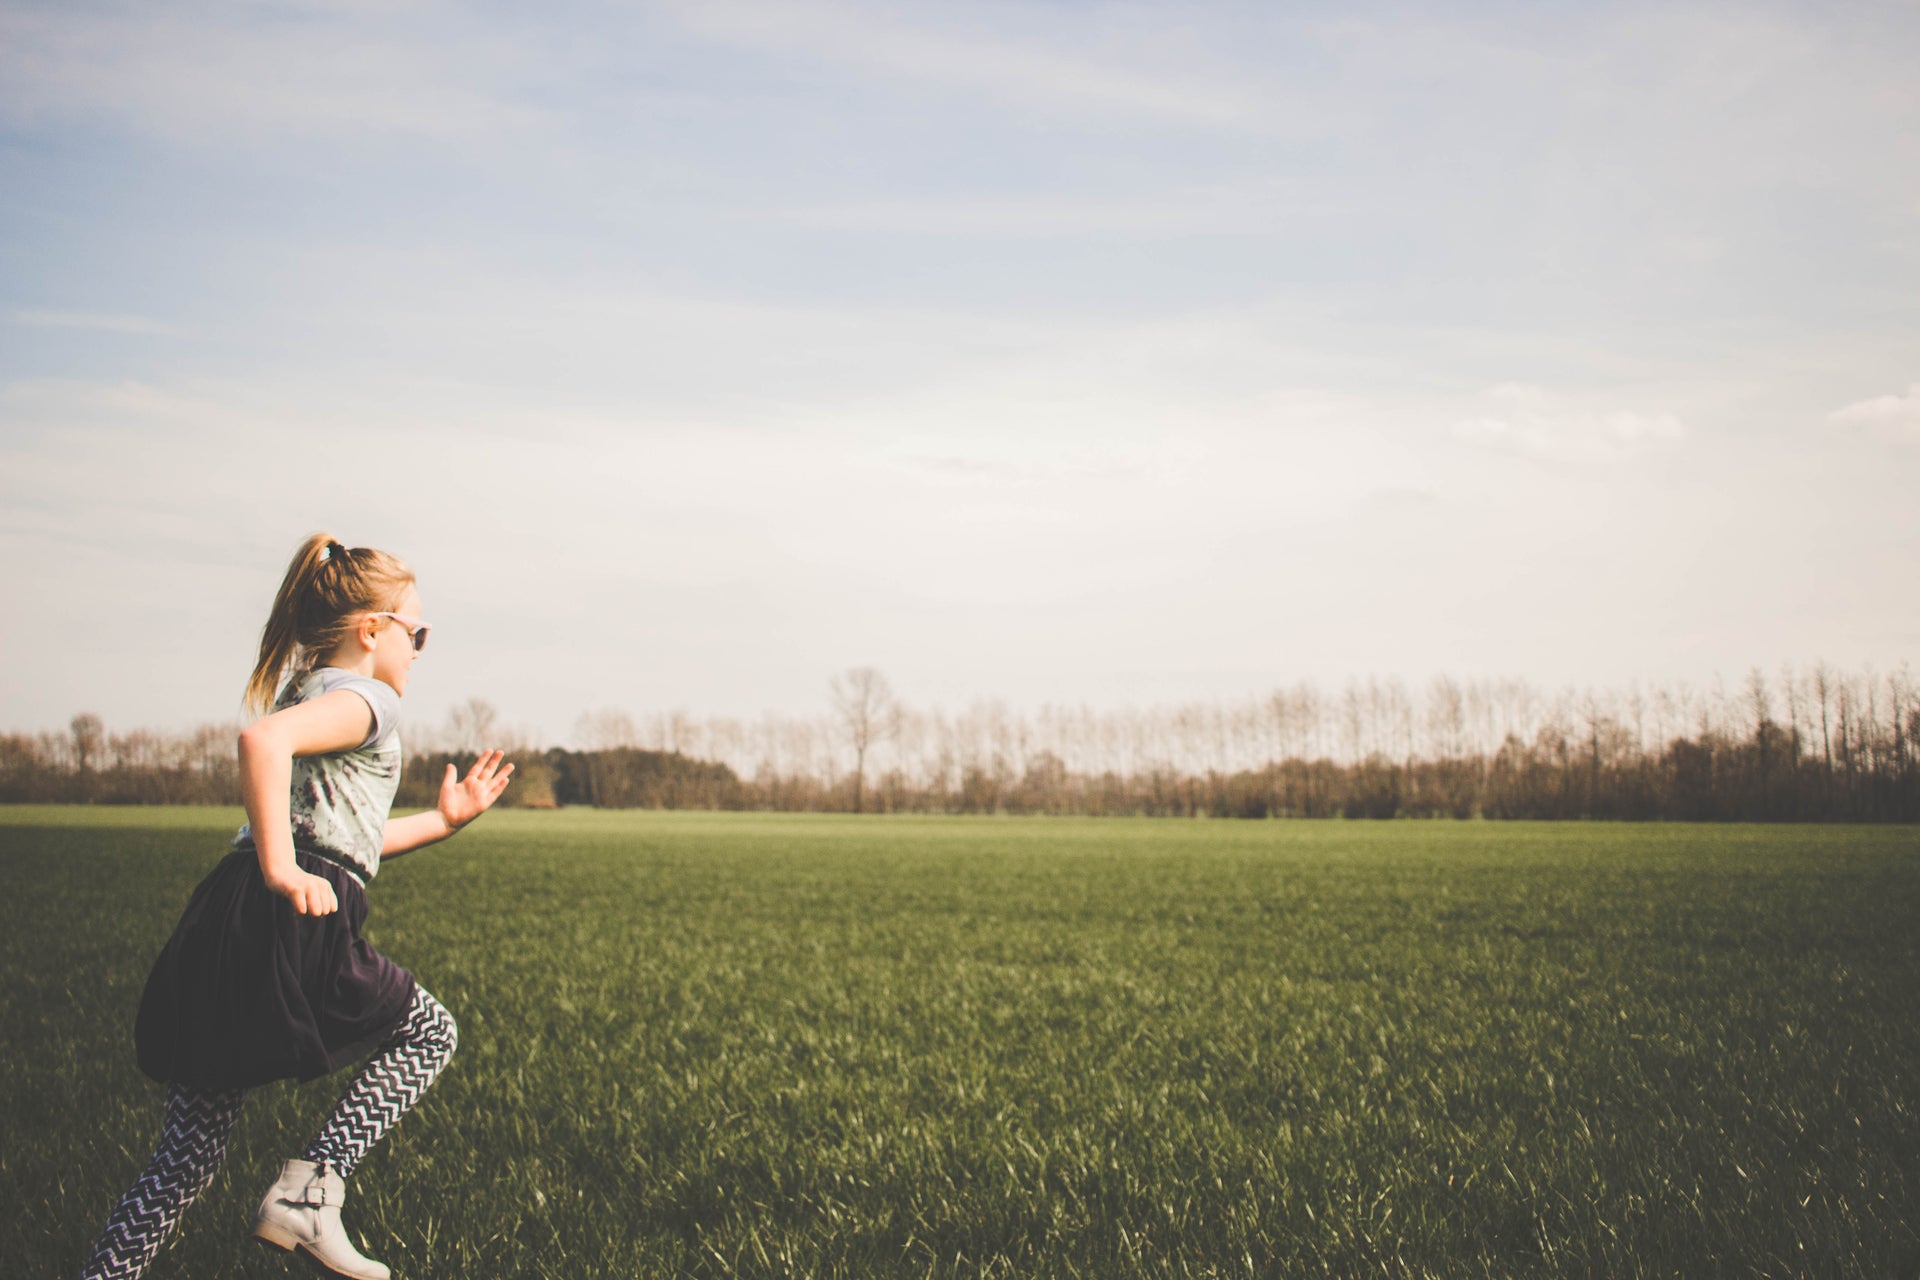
(326, 586)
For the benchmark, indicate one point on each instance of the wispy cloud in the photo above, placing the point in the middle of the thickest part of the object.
(37, 319)
(953, 56)
(1889, 416)
(1252, 207)
(204, 75)
(1530, 420)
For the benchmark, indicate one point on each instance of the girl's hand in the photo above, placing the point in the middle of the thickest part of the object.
(310, 895)
(463, 800)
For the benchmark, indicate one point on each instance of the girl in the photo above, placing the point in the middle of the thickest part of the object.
(266, 976)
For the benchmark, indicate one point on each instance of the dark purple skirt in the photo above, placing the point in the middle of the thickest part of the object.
(248, 990)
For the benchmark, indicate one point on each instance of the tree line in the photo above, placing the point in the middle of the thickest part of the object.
(1811, 745)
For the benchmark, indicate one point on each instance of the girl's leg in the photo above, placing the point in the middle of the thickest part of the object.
(302, 1210)
(192, 1145)
(390, 1082)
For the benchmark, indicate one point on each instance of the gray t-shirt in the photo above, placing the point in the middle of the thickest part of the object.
(340, 801)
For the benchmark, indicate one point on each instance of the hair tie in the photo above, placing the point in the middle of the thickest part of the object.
(327, 552)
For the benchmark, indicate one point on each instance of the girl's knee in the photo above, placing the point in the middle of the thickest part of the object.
(436, 1028)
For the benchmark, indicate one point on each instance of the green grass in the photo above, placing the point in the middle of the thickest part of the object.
(713, 1045)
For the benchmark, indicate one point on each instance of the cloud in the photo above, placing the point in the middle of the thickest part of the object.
(1251, 207)
(1532, 421)
(198, 77)
(876, 40)
(1891, 416)
(964, 468)
(35, 319)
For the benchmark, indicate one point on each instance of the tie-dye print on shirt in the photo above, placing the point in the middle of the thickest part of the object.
(340, 801)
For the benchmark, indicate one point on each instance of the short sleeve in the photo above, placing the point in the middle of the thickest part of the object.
(379, 696)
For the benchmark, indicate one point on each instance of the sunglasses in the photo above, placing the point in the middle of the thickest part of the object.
(415, 628)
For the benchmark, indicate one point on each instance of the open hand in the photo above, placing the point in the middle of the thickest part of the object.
(464, 799)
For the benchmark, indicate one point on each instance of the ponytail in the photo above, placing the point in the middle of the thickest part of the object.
(325, 586)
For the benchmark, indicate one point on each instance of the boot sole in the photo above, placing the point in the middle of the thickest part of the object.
(272, 1237)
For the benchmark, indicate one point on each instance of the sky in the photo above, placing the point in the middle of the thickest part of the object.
(1060, 353)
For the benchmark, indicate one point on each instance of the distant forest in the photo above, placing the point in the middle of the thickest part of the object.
(1810, 745)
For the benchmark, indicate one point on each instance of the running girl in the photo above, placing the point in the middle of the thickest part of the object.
(266, 976)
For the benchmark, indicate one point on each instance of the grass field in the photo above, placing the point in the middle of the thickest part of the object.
(715, 1045)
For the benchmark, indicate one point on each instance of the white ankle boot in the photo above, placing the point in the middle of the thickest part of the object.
(302, 1211)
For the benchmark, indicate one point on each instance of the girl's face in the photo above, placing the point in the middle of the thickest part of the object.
(393, 645)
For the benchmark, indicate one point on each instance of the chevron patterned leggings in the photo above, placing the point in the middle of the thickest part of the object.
(194, 1140)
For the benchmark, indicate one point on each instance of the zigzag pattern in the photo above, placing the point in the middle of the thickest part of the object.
(192, 1145)
(390, 1082)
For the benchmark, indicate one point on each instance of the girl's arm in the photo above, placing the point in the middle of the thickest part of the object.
(461, 801)
(337, 721)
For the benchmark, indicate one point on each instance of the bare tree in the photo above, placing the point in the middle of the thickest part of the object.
(87, 733)
(1822, 692)
(473, 725)
(604, 730)
(869, 714)
(1596, 719)
(1446, 719)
